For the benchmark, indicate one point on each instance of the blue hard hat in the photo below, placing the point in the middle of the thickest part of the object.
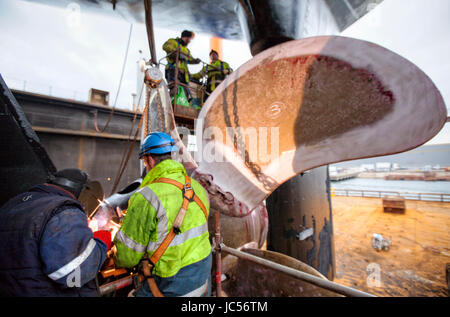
(157, 143)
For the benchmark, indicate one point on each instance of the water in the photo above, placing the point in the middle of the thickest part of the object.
(393, 185)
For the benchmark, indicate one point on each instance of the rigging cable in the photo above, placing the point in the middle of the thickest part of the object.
(130, 142)
(146, 113)
(111, 114)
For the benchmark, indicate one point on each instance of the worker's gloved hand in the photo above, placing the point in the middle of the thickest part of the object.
(226, 71)
(105, 236)
(196, 61)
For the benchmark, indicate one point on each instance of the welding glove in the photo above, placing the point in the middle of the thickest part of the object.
(105, 237)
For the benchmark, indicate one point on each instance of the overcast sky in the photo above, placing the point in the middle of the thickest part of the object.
(55, 54)
(419, 30)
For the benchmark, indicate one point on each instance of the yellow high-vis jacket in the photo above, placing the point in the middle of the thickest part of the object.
(150, 216)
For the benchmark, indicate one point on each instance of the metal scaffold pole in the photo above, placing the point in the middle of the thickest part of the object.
(323, 283)
(150, 30)
(218, 254)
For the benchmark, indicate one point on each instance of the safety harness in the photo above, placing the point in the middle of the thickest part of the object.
(188, 197)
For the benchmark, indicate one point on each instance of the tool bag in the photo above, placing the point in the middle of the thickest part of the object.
(181, 97)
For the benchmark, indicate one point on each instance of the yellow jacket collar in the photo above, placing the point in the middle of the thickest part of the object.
(163, 169)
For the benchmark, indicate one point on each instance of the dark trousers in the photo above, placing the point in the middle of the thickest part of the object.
(170, 77)
(187, 279)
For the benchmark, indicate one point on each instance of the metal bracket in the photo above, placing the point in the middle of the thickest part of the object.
(216, 247)
(305, 234)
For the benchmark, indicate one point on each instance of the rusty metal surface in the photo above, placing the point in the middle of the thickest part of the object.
(115, 285)
(297, 206)
(186, 112)
(267, 282)
(238, 231)
(218, 254)
(332, 98)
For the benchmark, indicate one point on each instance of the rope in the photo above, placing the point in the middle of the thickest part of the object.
(127, 153)
(118, 88)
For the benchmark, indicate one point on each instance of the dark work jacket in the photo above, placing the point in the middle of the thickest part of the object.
(23, 220)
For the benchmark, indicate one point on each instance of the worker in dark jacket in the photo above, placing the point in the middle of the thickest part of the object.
(47, 247)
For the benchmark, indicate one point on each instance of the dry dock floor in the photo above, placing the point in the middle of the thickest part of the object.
(415, 263)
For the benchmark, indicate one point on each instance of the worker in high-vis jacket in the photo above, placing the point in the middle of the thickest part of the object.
(47, 247)
(215, 72)
(171, 47)
(165, 230)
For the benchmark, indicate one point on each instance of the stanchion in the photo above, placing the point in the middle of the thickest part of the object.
(218, 254)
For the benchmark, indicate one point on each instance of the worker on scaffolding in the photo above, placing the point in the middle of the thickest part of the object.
(47, 247)
(171, 47)
(215, 73)
(165, 230)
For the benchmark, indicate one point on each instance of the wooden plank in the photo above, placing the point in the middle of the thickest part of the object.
(394, 204)
(185, 112)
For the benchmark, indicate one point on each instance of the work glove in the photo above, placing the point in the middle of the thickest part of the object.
(226, 71)
(105, 237)
(195, 61)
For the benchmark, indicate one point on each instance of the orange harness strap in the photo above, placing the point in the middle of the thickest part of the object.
(188, 197)
(181, 186)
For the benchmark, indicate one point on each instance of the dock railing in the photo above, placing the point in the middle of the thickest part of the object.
(440, 197)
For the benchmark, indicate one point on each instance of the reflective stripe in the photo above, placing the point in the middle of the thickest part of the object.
(72, 265)
(182, 237)
(189, 234)
(161, 214)
(197, 292)
(129, 243)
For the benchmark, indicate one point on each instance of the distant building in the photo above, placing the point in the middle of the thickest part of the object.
(383, 167)
(437, 154)
(332, 170)
(368, 168)
(426, 168)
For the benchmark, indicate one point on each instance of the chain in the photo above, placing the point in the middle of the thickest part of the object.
(268, 182)
(147, 124)
(162, 123)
